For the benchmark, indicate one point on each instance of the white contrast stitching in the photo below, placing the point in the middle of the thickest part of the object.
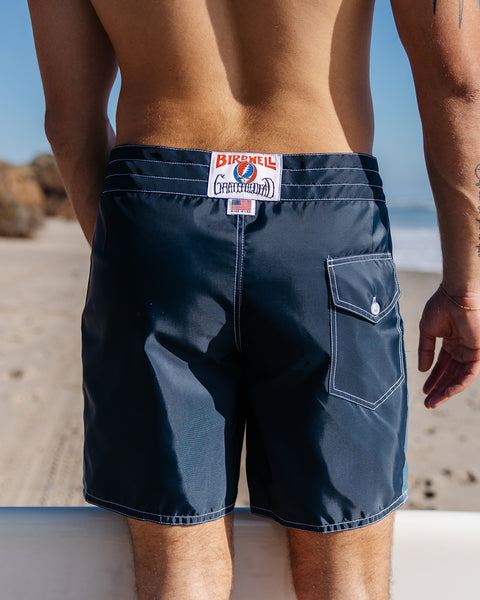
(334, 169)
(367, 403)
(357, 309)
(162, 192)
(143, 512)
(178, 193)
(334, 338)
(359, 258)
(334, 342)
(201, 180)
(330, 185)
(240, 285)
(358, 399)
(389, 508)
(153, 177)
(207, 165)
(160, 162)
(235, 289)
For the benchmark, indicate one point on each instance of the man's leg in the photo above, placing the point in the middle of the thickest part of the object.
(174, 562)
(347, 565)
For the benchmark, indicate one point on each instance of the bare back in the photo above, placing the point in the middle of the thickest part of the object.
(252, 75)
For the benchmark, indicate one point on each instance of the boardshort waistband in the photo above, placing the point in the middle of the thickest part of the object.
(298, 177)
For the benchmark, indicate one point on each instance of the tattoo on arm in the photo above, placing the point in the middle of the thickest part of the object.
(477, 174)
(460, 11)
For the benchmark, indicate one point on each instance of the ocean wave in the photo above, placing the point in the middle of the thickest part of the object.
(417, 249)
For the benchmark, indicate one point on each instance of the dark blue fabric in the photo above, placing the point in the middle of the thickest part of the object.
(197, 322)
(305, 176)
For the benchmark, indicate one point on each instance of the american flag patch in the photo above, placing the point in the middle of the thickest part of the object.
(241, 207)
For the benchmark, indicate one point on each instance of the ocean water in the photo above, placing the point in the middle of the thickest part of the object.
(416, 241)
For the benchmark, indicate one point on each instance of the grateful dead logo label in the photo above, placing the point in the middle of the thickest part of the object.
(246, 176)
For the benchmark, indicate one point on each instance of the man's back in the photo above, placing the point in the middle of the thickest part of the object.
(282, 76)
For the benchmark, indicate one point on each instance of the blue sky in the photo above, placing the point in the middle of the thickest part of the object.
(398, 141)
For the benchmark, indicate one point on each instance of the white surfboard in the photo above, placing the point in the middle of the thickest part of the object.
(79, 553)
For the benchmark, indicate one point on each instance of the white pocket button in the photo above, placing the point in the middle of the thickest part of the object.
(375, 308)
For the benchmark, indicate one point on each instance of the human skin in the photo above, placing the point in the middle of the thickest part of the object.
(279, 76)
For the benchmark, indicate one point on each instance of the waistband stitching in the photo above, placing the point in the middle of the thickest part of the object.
(153, 177)
(309, 185)
(190, 164)
(160, 162)
(130, 191)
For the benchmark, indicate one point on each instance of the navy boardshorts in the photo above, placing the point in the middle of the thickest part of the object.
(234, 290)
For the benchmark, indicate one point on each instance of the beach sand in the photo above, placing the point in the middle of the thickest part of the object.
(42, 283)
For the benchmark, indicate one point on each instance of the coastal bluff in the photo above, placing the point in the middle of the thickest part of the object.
(29, 193)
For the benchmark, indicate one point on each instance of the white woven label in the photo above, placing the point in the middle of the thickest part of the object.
(245, 176)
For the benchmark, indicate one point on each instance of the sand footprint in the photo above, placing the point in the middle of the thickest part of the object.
(429, 492)
(462, 476)
(16, 373)
(423, 493)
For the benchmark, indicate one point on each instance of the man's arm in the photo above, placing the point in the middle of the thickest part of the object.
(78, 68)
(442, 40)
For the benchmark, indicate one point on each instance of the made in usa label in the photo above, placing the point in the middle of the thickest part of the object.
(248, 176)
(240, 206)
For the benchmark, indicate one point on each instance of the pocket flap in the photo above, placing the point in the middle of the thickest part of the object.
(366, 285)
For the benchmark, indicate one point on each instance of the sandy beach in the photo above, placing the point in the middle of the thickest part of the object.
(43, 283)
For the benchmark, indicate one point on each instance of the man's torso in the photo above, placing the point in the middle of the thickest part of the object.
(277, 76)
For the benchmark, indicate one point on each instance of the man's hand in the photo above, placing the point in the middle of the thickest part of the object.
(458, 362)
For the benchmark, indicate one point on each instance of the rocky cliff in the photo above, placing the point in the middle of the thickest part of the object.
(28, 193)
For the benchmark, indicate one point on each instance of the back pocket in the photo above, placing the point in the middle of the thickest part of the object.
(367, 363)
